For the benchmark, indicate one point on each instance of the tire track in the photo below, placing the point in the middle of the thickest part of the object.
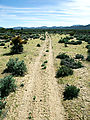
(47, 105)
(40, 97)
(56, 108)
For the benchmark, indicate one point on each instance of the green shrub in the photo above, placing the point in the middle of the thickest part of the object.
(88, 46)
(21, 85)
(5, 47)
(16, 49)
(62, 56)
(65, 45)
(79, 42)
(63, 40)
(5, 36)
(44, 67)
(36, 36)
(42, 38)
(70, 62)
(88, 58)
(79, 56)
(10, 64)
(2, 105)
(38, 45)
(71, 92)
(47, 50)
(7, 85)
(17, 45)
(46, 61)
(17, 68)
(44, 55)
(89, 42)
(64, 71)
(2, 44)
(71, 33)
(89, 50)
(74, 42)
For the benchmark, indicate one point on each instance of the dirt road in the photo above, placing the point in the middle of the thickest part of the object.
(39, 99)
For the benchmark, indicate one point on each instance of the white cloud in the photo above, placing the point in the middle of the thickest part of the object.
(69, 13)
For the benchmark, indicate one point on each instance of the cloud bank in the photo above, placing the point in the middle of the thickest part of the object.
(45, 13)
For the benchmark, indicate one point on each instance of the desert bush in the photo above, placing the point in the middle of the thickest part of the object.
(2, 105)
(5, 47)
(79, 42)
(21, 85)
(7, 85)
(70, 62)
(36, 36)
(43, 65)
(19, 68)
(38, 45)
(71, 92)
(17, 49)
(62, 56)
(74, 42)
(10, 64)
(47, 50)
(2, 44)
(63, 40)
(79, 56)
(71, 33)
(5, 37)
(16, 67)
(45, 61)
(89, 42)
(17, 45)
(64, 71)
(42, 38)
(88, 58)
(88, 50)
(88, 46)
(65, 45)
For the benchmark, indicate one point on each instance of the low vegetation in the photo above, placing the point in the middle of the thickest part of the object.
(88, 58)
(62, 56)
(2, 105)
(16, 67)
(7, 85)
(70, 62)
(38, 45)
(71, 92)
(72, 50)
(17, 45)
(64, 71)
(47, 50)
(79, 56)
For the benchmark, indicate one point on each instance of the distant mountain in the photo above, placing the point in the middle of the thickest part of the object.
(18, 28)
(86, 27)
(81, 27)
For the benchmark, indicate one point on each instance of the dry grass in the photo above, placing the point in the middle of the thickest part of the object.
(76, 109)
(30, 50)
(30, 53)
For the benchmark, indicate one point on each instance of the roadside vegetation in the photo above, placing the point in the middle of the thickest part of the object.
(71, 51)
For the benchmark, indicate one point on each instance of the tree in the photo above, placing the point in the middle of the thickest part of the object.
(17, 45)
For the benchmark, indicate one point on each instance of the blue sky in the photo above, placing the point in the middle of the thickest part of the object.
(34, 13)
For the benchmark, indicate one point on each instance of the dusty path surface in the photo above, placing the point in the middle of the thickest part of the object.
(40, 99)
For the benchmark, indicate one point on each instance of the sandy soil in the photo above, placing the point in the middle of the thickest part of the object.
(39, 98)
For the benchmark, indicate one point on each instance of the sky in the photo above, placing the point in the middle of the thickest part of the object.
(36, 13)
